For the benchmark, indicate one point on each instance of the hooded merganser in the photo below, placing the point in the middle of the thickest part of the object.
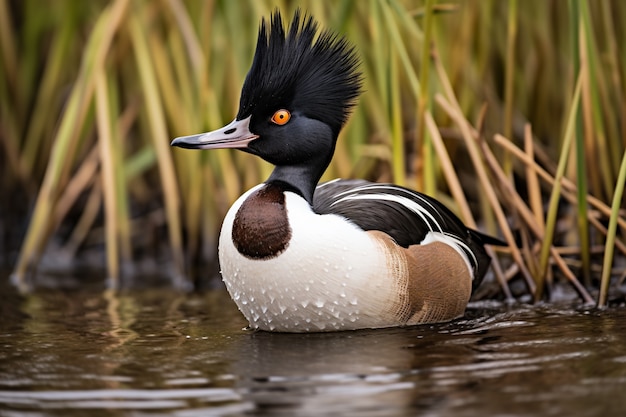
(347, 254)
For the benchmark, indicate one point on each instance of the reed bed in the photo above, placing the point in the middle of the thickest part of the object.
(511, 113)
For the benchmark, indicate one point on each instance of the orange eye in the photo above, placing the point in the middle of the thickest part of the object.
(281, 117)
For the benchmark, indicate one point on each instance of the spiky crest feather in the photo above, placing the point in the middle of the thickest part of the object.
(295, 70)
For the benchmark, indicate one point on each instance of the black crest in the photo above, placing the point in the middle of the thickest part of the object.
(296, 70)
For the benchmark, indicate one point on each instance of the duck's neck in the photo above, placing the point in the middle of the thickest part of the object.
(299, 179)
(302, 178)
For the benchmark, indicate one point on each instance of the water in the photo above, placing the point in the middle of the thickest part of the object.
(158, 353)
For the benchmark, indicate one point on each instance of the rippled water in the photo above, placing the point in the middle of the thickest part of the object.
(158, 353)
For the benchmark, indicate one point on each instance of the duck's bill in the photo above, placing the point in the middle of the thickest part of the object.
(236, 134)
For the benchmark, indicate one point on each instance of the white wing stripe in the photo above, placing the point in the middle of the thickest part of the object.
(324, 184)
(415, 207)
(383, 188)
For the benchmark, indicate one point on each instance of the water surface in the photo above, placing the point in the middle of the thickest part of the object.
(159, 353)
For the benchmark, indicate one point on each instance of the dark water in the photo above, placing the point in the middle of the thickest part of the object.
(158, 353)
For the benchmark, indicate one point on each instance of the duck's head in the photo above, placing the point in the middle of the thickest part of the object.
(295, 99)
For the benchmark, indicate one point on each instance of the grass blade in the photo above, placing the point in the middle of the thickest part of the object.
(551, 216)
(611, 232)
(105, 142)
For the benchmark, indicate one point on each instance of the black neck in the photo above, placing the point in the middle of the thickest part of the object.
(301, 179)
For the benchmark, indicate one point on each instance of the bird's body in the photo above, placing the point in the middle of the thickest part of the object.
(303, 271)
(297, 256)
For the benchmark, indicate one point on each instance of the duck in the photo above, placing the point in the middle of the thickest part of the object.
(299, 256)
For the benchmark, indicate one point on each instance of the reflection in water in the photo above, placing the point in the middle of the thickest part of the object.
(284, 372)
(159, 353)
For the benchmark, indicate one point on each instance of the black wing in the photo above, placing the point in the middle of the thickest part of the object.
(405, 215)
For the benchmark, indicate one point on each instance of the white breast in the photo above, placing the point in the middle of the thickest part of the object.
(332, 276)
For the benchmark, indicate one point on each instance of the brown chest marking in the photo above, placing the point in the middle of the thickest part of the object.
(261, 228)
